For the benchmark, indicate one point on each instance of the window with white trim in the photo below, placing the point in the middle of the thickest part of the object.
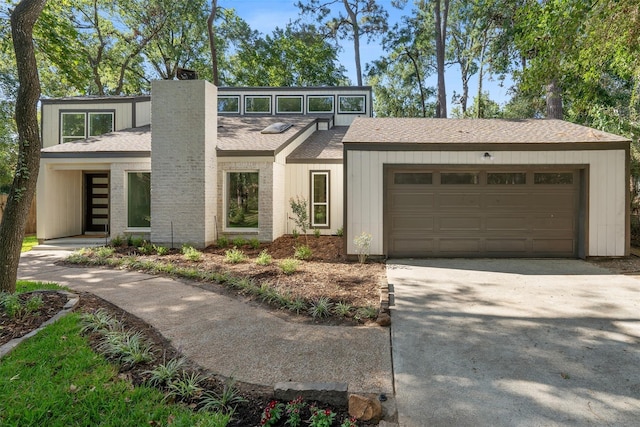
(228, 104)
(288, 104)
(320, 104)
(319, 198)
(257, 104)
(138, 199)
(75, 126)
(352, 104)
(241, 201)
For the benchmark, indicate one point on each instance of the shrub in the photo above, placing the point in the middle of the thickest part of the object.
(297, 305)
(222, 242)
(234, 256)
(289, 265)
(164, 373)
(98, 321)
(126, 347)
(239, 241)
(340, 232)
(135, 241)
(104, 252)
(302, 252)
(342, 309)
(316, 232)
(11, 305)
(146, 248)
(254, 243)
(299, 209)
(161, 250)
(226, 401)
(272, 413)
(190, 253)
(33, 304)
(363, 243)
(186, 387)
(320, 308)
(264, 258)
(117, 241)
(295, 233)
(368, 312)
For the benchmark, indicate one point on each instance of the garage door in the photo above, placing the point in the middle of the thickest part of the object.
(482, 213)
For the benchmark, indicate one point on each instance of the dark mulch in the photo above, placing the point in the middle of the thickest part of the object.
(18, 326)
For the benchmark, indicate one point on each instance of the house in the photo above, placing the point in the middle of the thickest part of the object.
(201, 162)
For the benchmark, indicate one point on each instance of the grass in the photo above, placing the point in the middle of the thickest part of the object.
(29, 242)
(55, 379)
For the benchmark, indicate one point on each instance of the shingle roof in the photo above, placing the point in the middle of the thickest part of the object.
(322, 145)
(452, 131)
(242, 133)
(127, 140)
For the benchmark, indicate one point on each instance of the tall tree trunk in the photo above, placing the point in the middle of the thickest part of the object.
(23, 188)
(356, 40)
(212, 42)
(554, 101)
(423, 100)
(479, 106)
(441, 13)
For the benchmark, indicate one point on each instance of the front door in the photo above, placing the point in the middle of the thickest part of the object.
(97, 201)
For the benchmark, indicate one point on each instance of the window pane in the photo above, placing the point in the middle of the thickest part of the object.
(413, 178)
(242, 199)
(320, 104)
(228, 104)
(319, 188)
(320, 215)
(553, 178)
(73, 125)
(289, 104)
(494, 178)
(257, 104)
(100, 123)
(351, 104)
(139, 199)
(459, 178)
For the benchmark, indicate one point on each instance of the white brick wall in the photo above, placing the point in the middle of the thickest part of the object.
(118, 192)
(183, 158)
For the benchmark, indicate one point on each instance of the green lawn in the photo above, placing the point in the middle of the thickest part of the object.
(29, 242)
(55, 379)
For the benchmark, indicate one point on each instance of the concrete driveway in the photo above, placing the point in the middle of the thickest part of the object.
(514, 343)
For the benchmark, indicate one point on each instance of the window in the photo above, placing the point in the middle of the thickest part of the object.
(320, 199)
(257, 104)
(242, 199)
(289, 104)
(229, 104)
(320, 104)
(504, 178)
(77, 126)
(554, 178)
(139, 199)
(413, 178)
(457, 178)
(351, 104)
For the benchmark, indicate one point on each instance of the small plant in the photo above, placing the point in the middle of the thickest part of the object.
(11, 305)
(239, 242)
(146, 249)
(303, 252)
(161, 250)
(316, 232)
(340, 232)
(254, 243)
(295, 233)
(33, 304)
(98, 321)
(293, 409)
(349, 422)
(320, 308)
(135, 241)
(321, 418)
(224, 402)
(126, 347)
(342, 309)
(186, 387)
(368, 312)
(363, 243)
(289, 265)
(164, 373)
(104, 252)
(299, 209)
(117, 241)
(234, 256)
(297, 305)
(272, 413)
(190, 253)
(222, 242)
(264, 258)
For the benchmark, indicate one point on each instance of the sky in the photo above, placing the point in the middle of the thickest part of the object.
(266, 15)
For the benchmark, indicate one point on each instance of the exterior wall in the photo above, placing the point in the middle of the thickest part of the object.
(184, 165)
(59, 202)
(298, 183)
(266, 203)
(118, 197)
(123, 116)
(606, 183)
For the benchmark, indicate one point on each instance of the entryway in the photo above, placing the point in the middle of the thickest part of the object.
(96, 202)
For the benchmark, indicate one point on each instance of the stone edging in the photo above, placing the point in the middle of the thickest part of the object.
(72, 302)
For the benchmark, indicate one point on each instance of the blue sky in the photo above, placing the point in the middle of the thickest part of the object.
(266, 15)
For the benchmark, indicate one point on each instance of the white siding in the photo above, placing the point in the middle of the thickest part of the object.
(143, 113)
(298, 183)
(606, 183)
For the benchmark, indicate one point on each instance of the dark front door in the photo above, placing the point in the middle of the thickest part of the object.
(97, 201)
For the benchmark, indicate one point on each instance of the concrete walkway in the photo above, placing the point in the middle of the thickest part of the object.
(228, 336)
(514, 343)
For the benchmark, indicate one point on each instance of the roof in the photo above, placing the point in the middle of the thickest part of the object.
(134, 141)
(96, 98)
(470, 131)
(242, 133)
(324, 145)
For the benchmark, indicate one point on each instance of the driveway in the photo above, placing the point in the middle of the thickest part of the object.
(514, 343)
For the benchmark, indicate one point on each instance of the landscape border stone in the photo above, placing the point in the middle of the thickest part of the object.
(335, 394)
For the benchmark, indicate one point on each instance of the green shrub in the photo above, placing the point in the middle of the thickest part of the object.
(222, 242)
(316, 232)
(146, 248)
(295, 233)
(342, 309)
(340, 232)
(320, 308)
(254, 243)
(117, 241)
(234, 256)
(363, 243)
(190, 253)
(186, 387)
(297, 305)
(11, 305)
(302, 252)
(224, 402)
(104, 252)
(98, 321)
(239, 242)
(264, 258)
(299, 209)
(368, 312)
(289, 265)
(33, 304)
(135, 241)
(164, 373)
(161, 250)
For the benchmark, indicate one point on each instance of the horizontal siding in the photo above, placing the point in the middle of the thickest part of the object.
(298, 183)
(143, 113)
(606, 181)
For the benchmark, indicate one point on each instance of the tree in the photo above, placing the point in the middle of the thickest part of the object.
(212, 41)
(23, 188)
(363, 18)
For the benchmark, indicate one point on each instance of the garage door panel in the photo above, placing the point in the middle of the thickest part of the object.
(482, 218)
